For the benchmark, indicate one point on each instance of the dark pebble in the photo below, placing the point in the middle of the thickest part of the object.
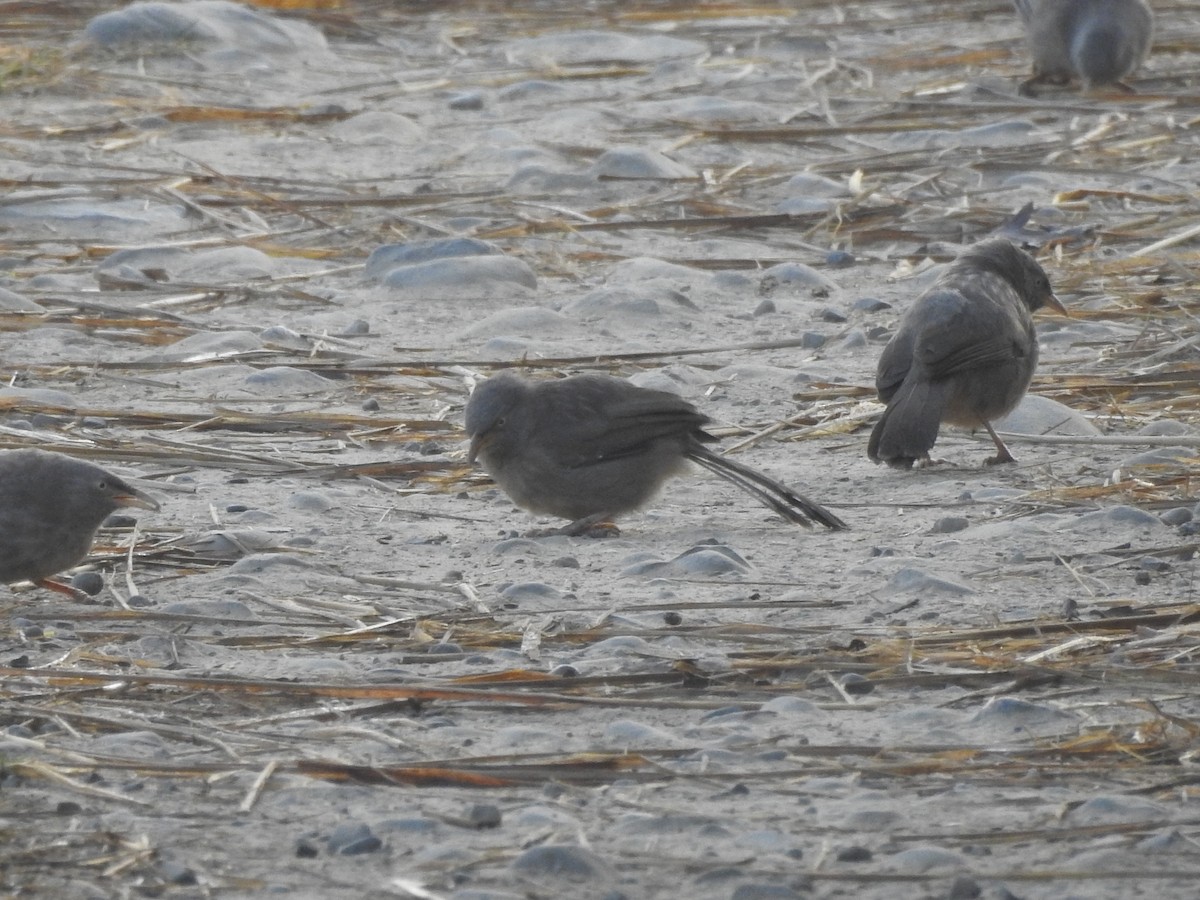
(68, 808)
(949, 525)
(139, 601)
(1142, 577)
(871, 304)
(1180, 515)
(766, 307)
(839, 259)
(358, 326)
(306, 848)
(566, 861)
(236, 507)
(812, 340)
(352, 839)
(1154, 564)
(484, 815)
(565, 671)
(854, 854)
(32, 631)
(370, 405)
(176, 873)
(964, 888)
(672, 618)
(832, 315)
(94, 422)
(91, 583)
(856, 685)
(467, 100)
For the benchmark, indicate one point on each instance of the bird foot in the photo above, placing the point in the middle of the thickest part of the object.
(1029, 86)
(1000, 459)
(597, 526)
(59, 587)
(590, 526)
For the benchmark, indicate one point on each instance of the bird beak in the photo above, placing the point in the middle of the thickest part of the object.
(478, 443)
(134, 497)
(1055, 304)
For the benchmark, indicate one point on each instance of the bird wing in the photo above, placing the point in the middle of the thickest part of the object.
(965, 329)
(603, 419)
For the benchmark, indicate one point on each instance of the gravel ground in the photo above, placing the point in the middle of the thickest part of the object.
(259, 269)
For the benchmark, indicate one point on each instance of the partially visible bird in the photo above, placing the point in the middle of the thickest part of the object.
(591, 447)
(1098, 42)
(964, 353)
(50, 508)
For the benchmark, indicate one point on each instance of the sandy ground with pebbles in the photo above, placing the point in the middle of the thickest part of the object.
(259, 269)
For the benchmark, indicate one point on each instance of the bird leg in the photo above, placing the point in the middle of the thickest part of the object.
(1002, 453)
(73, 592)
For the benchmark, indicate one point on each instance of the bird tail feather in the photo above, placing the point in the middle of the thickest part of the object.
(908, 428)
(769, 492)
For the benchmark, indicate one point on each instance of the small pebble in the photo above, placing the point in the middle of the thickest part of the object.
(352, 839)
(91, 583)
(871, 304)
(672, 618)
(370, 405)
(484, 815)
(1177, 516)
(965, 888)
(1141, 577)
(812, 340)
(176, 873)
(856, 685)
(854, 854)
(467, 100)
(839, 259)
(949, 525)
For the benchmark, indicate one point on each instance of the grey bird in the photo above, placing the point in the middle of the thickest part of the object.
(591, 447)
(1098, 42)
(964, 352)
(50, 508)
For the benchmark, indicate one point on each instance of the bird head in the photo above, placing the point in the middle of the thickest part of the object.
(123, 494)
(489, 408)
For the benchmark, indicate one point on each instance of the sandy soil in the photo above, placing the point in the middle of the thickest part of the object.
(336, 668)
